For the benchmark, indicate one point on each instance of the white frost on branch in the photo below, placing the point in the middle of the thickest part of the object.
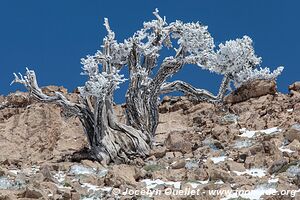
(249, 74)
(99, 84)
(194, 38)
(237, 58)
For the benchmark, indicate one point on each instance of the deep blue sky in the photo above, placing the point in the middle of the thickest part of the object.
(51, 36)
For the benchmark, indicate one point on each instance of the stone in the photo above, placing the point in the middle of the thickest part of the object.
(46, 172)
(276, 166)
(178, 164)
(32, 193)
(219, 174)
(121, 174)
(159, 152)
(293, 133)
(253, 89)
(235, 166)
(51, 89)
(294, 146)
(19, 99)
(295, 86)
(176, 142)
(2, 171)
(75, 196)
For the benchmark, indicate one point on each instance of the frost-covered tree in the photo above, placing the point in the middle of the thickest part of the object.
(111, 140)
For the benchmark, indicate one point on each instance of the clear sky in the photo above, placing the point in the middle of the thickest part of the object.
(51, 36)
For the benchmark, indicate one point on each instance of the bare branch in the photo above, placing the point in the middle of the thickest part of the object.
(195, 93)
(30, 82)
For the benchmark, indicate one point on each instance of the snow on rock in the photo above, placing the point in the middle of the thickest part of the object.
(80, 169)
(5, 183)
(91, 187)
(195, 184)
(218, 159)
(150, 184)
(282, 149)
(239, 144)
(253, 172)
(273, 180)
(60, 176)
(250, 134)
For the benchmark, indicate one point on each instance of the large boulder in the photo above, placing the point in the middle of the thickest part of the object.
(253, 89)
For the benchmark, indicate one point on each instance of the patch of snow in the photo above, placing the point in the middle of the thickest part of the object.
(102, 173)
(247, 133)
(271, 130)
(253, 172)
(195, 184)
(31, 171)
(282, 149)
(218, 159)
(5, 183)
(293, 170)
(191, 164)
(150, 184)
(290, 110)
(273, 180)
(242, 144)
(60, 176)
(219, 182)
(296, 127)
(83, 170)
(15, 171)
(250, 134)
(91, 187)
(80, 169)
(204, 182)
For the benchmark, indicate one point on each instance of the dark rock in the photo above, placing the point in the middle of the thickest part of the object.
(253, 89)
(276, 166)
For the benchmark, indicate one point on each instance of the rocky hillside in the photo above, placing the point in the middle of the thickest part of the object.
(250, 143)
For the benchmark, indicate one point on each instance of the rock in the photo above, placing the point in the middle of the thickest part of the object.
(276, 166)
(294, 146)
(46, 172)
(122, 174)
(19, 99)
(176, 142)
(178, 164)
(197, 174)
(65, 193)
(219, 174)
(293, 133)
(2, 171)
(218, 130)
(32, 193)
(75, 196)
(51, 89)
(49, 187)
(159, 152)
(295, 86)
(253, 89)
(235, 166)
